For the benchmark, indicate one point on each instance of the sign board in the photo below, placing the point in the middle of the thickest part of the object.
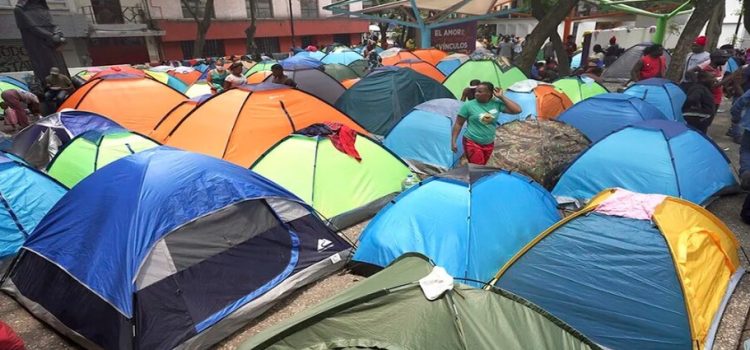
(458, 37)
(13, 57)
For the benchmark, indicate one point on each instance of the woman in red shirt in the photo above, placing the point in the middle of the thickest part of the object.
(653, 64)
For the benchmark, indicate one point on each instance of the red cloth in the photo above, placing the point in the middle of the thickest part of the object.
(653, 67)
(717, 73)
(476, 153)
(343, 139)
(9, 340)
(17, 102)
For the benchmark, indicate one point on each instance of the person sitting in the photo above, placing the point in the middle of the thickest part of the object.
(699, 108)
(236, 78)
(217, 76)
(480, 116)
(59, 87)
(536, 70)
(15, 103)
(278, 76)
(468, 93)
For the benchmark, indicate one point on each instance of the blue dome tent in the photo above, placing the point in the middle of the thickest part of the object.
(300, 62)
(423, 137)
(599, 115)
(167, 248)
(507, 211)
(341, 57)
(662, 94)
(654, 156)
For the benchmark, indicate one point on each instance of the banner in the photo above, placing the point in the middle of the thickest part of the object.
(13, 57)
(458, 37)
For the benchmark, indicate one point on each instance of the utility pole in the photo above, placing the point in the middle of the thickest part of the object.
(291, 22)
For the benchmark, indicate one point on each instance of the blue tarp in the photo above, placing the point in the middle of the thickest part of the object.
(602, 114)
(662, 94)
(608, 277)
(448, 66)
(148, 195)
(469, 229)
(26, 196)
(423, 137)
(651, 157)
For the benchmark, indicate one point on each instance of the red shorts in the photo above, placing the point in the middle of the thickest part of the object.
(476, 153)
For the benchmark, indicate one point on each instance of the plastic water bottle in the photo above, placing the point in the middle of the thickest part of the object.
(409, 182)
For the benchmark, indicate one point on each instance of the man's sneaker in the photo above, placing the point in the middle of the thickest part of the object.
(745, 180)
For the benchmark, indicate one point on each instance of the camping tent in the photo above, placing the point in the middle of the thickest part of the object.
(300, 62)
(169, 80)
(484, 70)
(175, 116)
(340, 187)
(341, 57)
(133, 101)
(318, 55)
(391, 311)
(619, 70)
(27, 195)
(423, 137)
(431, 56)
(240, 124)
(537, 100)
(579, 88)
(350, 82)
(470, 221)
(359, 66)
(199, 88)
(654, 156)
(384, 96)
(423, 68)
(187, 75)
(340, 72)
(316, 82)
(602, 114)
(662, 94)
(632, 271)
(540, 149)
(391, 57)
(38, 143)
(450, 63)
(180, 251)
(262, 66)
(90, 151)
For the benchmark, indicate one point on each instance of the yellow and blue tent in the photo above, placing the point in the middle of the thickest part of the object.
(632, 271)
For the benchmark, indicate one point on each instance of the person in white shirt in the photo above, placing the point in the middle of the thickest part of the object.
(236, 78)
(698, 56)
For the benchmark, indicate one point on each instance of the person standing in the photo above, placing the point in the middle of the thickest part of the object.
(480, 117)
(505, 48)
(699, 108)
(548, 50)
(470, 91)
(571, 47)
(714, 67)
(741, 115)
(613, 52)
(651, 65)
(696, 57)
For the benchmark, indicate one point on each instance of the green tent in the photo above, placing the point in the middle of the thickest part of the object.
(359, 67)
(579, 88)
(484, 70)
(261, 66)
(340, 72)
(94, 149)
(342, 189)
(390, 311)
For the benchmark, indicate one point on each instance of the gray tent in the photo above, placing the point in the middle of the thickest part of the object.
(619, 70)
(317, 83)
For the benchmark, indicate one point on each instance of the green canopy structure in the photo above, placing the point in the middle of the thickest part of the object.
(579, 88)
(391, 311)
(340, 187)
(484, 70)
(94, 149)
(340, 72)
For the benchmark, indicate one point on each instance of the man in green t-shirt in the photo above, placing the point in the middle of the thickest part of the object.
(480, 116)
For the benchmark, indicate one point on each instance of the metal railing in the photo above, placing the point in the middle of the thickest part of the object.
(112, 14)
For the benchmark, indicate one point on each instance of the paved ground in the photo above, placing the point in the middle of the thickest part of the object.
(38, 336)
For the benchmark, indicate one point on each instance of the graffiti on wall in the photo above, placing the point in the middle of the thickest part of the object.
(13, 58)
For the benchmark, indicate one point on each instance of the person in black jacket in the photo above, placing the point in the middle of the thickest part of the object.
(699, 108)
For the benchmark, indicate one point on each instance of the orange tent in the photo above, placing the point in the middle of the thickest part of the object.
(258, 77)
(240, 124)
(133, 101)
(551, 102)
(187, 77)
(423, 68)
(391, 60)
(431, 56)
(172, 118)
(348, 83)
(119, 70)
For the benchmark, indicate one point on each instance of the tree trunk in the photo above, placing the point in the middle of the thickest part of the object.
(383, 35)
(250, 46)
(202, 29)
(548, 23)
(702, 11)
(563, 61)
(713, 31)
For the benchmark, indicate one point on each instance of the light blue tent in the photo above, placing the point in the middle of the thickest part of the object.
(450, 63)
(311, 54)
(662, 94)
(300, 62)
(575, 61)
(470, 220)
(423, 137)
(26, 195)
(600, 115)
(654, 156)
(341, 57)
(732, 65)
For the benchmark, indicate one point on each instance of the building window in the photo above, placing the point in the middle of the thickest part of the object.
(267, 45)
(307, 40)
(5, 3)
(343, 39)
(212, 48)
(263, 8)
(195, 6)
(309, 8)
